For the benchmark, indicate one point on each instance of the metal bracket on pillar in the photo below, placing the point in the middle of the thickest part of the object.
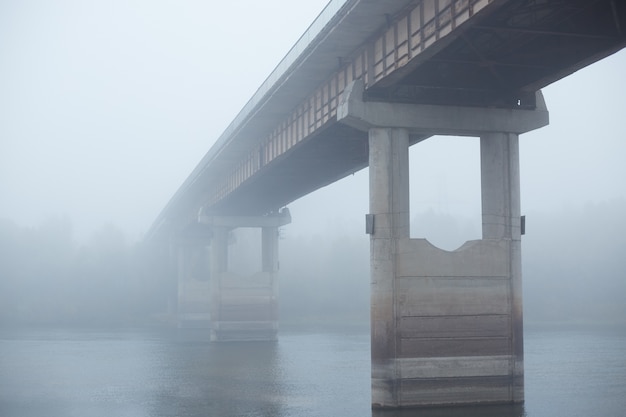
(369, 224)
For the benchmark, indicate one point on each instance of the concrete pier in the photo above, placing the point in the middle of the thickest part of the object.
(446, 327)
(244, 308)
(191, 255)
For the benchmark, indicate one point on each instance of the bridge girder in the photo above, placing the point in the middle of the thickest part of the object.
(470, 53)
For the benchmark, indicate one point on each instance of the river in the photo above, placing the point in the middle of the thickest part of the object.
(317, 372)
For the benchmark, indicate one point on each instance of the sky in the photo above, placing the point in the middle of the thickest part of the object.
(107, 106)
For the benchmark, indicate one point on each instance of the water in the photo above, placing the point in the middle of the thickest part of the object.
(313, 373)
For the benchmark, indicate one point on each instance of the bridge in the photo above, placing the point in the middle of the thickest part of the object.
(368, 79)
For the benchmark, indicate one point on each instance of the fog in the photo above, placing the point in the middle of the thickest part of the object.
(106, 107)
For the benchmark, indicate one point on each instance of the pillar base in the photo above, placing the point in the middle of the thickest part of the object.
(245, 308)
(455, 327)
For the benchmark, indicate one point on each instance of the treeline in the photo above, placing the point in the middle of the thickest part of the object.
(47, 278)
(574, 271)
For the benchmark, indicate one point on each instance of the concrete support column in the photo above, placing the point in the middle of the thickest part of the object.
(500, 183)
(389, 203)
(182, 267)
(269, 247)
(446, 326)
(219, 265)
(244, 308)
(192, 303)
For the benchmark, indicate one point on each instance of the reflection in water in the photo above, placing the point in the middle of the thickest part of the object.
(203, 379)
(48, 373)
(179, 373)
(475, 411)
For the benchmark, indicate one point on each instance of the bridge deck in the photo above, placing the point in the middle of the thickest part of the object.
(286, 143)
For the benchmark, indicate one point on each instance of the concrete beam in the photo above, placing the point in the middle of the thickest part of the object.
(422, 119)
(193, 309)
(232, 222)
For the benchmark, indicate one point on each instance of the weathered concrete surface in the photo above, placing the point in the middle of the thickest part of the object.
(389, 202)
(456, 324)
(446, 326)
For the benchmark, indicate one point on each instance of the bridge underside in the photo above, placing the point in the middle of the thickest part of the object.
(335, 152)
(499, 60)
(505, 57)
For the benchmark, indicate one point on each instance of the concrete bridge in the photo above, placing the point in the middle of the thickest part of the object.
(368, 79)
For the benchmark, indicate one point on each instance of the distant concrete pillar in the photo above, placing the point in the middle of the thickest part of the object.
(244, 308)
(192, 271)
(219, 266)
(269, 247)
(446, 326)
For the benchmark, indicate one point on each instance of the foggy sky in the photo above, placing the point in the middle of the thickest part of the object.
(106, 107)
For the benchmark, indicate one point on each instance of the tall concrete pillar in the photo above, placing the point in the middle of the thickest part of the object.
(500, 186)
(389, 203)
(446, 326)
(244, 308)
